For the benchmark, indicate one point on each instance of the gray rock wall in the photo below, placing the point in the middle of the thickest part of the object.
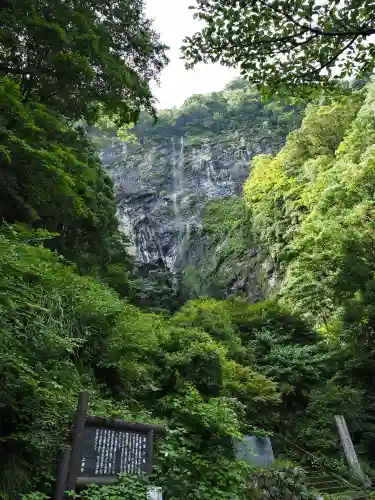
(161, 192)
(163, 182)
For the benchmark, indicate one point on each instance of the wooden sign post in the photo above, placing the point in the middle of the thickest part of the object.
(77, 434)
(110, 447)
(348, 447)
(102, 448)
(62, 473)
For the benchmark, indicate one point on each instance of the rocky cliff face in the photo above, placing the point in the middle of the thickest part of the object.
(162, 192)
(193, 155)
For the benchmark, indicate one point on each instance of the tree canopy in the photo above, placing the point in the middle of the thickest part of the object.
(278, 44)
(63, 189)
(73, 56)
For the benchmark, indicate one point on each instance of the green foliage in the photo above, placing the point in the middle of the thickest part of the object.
(197, 455)
(227, 236)
(221, 117)
(78, 58)
(129, 487)
(239, 482)
(282, 484)
(155, 289)
(52, 179)
(35, 496)
(61, 333)
(209, 314)
(273, 190)
(300, 48)
(213, 369)
(265, 338)
(311, 209)
(49, 320)
(318, 429)
(285, 349)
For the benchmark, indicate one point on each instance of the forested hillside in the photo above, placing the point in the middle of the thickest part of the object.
(312, 207)
(77, 314)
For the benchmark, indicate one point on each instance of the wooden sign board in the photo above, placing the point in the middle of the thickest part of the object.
(108, 452)
(102, 448)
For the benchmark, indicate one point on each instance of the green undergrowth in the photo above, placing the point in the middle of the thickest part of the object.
(62, 333)
(213, 370)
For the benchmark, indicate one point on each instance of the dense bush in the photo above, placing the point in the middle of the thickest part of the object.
(61, 333)
(312, 211)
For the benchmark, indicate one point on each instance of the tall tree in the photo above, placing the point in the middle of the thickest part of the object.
(286, 43)
(73, 56)
(50, 178)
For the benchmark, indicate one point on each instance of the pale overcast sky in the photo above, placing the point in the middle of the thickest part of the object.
(173, 20)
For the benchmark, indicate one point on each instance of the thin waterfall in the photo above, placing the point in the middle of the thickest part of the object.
(177, 193)
(211, 175)
(177, 178)
(181, 164)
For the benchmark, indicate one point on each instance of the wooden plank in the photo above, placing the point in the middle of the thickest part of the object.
(101, 481)
(79, 424)
(62, 474)
(113, 423)
(114, 451)
(348, 447)
(150, 449)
